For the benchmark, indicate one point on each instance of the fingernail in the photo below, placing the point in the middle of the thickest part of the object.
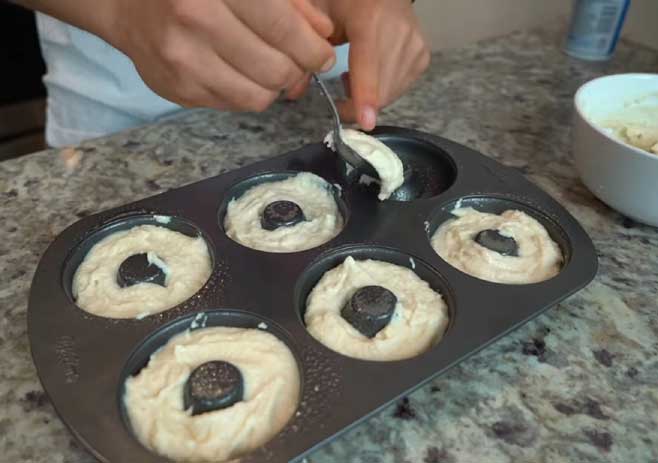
(328, 65)
(368, 118)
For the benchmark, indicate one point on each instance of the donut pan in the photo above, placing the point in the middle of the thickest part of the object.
(83, 360)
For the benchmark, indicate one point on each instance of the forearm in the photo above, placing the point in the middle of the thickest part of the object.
(95, 17)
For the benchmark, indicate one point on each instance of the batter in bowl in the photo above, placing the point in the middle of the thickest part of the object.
(177, 266)
(639, 136)
(382, 158)
(290, 215)
(250, 374)
(341, 315)
(511, 248)
(636, 124)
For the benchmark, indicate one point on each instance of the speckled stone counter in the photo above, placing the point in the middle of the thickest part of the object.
(577, 384)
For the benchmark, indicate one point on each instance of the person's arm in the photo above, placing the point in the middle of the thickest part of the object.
(388, 53)
(224, 54)
(75, 12)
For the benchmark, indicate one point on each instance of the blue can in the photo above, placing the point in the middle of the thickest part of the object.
(595, 28)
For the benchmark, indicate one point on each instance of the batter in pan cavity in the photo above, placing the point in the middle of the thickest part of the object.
(141, 271)
(213, 394)
(290, 215)
(378, 155)
(374, 310)
(511, 248)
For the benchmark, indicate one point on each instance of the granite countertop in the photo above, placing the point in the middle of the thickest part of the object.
(579, 383)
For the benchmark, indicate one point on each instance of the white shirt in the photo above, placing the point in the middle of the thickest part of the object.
(94, 89)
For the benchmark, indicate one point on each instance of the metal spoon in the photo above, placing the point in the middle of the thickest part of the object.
(343, 149)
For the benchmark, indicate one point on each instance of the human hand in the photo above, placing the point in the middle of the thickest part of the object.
(388, 53)
(223, 54)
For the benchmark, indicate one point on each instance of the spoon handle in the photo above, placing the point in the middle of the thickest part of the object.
(330, 100)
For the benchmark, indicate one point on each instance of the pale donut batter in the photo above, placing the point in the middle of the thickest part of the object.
(539, 257)
(636, 125)
(184, 260)
(154, 397)
(639, 136)
(419, 320)
(378, 155)
(310, 192)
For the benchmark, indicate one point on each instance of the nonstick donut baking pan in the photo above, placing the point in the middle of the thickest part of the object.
(83, 360)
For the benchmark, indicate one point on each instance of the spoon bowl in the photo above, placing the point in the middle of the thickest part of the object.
(343, 149)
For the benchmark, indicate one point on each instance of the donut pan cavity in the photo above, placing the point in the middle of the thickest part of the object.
(241, 187)
(83, 360)
(124, 223)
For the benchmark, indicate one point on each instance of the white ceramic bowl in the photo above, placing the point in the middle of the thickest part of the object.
(622, 176)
